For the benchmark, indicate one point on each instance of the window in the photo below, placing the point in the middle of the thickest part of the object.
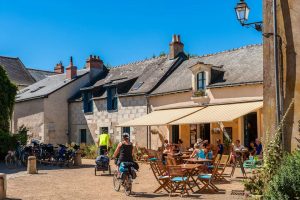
(103, 130)
(201, 81)
(82, 135)
(126, 130)
(87, 102)
(112, 99)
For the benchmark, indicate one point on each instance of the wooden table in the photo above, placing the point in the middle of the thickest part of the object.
(196, 161)
(239, 160)
(192, 170)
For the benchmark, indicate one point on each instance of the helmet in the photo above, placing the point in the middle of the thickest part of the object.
(125, 135)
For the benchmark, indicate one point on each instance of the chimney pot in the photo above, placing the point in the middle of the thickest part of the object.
(71, 71)
(59, 68)
(176, 47)
(94, 62)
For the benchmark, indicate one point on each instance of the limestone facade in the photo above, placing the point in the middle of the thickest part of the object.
(129, 107)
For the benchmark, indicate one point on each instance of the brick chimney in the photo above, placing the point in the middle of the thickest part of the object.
(59, 68)
(71, 70)
(94, 62)
(176, 47)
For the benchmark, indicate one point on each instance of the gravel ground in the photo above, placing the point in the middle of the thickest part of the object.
(81, 183)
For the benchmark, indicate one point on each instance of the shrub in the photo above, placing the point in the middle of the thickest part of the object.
(7, 142)
(90, 151)
(285, 184)
(112, 150)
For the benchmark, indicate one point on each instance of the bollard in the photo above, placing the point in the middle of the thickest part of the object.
(2, 186)
(77, 159)
(31, 165)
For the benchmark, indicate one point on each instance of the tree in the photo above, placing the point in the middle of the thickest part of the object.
(8, 93)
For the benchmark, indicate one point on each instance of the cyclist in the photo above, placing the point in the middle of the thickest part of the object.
(124, 150)
(103, 142)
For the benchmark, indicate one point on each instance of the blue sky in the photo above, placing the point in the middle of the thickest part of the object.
(42, 33)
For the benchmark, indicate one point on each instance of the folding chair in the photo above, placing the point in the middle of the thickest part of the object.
(215, 162)
(224, 161)
(171, 160)
(207, 180)
(161, 177)
(178, 180)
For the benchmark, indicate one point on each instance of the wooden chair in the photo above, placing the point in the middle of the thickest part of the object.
(207, 180)
(178, 180)
(224, 161)
(160, 175)
(215, 162)
(171, 161)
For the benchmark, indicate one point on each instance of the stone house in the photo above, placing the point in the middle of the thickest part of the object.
(209, 97)
(43, 106)
(121, 95)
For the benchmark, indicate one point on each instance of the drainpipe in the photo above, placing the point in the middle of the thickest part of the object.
(148, 127)
(69, 124)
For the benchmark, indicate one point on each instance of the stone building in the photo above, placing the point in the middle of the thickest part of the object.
(289, 46)
(43, 106)
(209, 97)
(121, 95)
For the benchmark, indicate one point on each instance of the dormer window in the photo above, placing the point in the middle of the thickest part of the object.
(201, 81)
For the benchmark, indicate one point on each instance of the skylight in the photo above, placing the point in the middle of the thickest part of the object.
(137, 85)
(22, 91)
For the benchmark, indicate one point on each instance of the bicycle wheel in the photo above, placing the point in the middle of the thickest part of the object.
(116, 182)
(127, 185)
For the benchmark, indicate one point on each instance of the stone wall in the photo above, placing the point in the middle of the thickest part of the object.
(129, 108)
(31, 115)
(56, 111)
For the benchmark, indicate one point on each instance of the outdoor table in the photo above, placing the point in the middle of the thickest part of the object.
(239, 161)
(185, 156)
(192, 170)
(197, 161)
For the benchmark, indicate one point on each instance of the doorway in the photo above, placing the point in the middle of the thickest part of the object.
(250, 128)
(175, 134)
(205, 132)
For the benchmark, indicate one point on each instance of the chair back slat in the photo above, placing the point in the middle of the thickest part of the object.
(175, 171)
(224, 159)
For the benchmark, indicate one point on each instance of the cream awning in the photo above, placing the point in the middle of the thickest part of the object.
(220, 113)
(161, 117)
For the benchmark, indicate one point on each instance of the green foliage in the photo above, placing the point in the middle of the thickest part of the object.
(21, 136)
(90, 151)
(285, 184)
(162, 54)
(7, 142)
(273, 155)
(8, 92)
(112, 150)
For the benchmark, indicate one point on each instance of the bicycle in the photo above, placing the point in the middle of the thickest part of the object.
(124, 178)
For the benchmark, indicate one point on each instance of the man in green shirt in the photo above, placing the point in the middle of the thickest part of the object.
(103, 143)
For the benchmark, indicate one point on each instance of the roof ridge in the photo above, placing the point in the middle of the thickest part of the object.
(40, 70)
(139, 61)
(228, 50)
(10, 57)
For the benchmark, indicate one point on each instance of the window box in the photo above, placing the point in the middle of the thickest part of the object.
(199, 93)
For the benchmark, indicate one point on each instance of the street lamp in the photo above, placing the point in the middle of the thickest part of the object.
(242, 13)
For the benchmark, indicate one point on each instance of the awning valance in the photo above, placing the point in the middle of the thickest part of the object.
(161, 117)
(220, 113)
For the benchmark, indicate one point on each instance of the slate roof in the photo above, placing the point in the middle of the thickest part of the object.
(239, 66)
(143, 75)
(38, 74)
(16, 71)
(46, 86)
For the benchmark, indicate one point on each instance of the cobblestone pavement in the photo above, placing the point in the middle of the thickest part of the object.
(81, 183)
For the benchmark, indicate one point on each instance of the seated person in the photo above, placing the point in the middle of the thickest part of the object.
(209, 152)
(180, 145)
(237, 147)
(220, 147)
(252, 149)
(196, 150)
(258, 147)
